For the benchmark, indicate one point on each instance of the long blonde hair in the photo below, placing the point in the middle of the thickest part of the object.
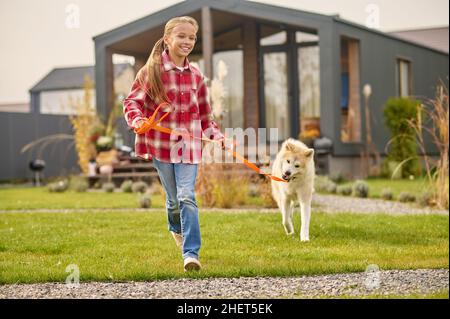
(149, 76)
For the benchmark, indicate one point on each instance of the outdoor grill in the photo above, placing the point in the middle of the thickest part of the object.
(322, 151)
(37, 166)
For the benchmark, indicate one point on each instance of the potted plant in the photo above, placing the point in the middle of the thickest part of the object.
(308, 136)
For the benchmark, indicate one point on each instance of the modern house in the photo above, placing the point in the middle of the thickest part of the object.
(289, 69)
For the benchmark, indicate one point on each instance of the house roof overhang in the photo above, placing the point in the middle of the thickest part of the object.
(138, 37)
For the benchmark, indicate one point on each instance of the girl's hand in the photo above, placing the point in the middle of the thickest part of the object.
(224, 143)
(138, 124)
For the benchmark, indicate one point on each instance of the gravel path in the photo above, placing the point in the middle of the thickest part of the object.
(321, 202)
(398, 282)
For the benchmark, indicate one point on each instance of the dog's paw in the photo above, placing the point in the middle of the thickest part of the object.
(289, 229)
(304, 239)
(290, 234)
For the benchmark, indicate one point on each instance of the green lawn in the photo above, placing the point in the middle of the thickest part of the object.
(119, 246)
(41, 198)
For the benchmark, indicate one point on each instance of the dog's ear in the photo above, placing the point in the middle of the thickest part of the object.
(309, 152)
(290, 147)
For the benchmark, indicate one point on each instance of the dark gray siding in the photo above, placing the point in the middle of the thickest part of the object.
(19, 129)
(328, 88)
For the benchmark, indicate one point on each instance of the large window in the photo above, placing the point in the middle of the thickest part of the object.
(227, 49)
(272, 35)
(309, 88)
(233, 115)
(350, 91)
(404, 78)
(306, 37)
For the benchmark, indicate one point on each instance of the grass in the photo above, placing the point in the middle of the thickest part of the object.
(41, 198)
(122, 246)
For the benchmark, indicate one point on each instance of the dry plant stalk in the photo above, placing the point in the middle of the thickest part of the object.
(265, 189)
(209, 175)
(433, 118)
(222, 185)
(82, 122)
(218, 91)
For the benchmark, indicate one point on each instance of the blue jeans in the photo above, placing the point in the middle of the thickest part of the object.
(178, 180)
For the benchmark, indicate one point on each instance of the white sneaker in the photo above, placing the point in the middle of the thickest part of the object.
(192, 264)
(178, 239)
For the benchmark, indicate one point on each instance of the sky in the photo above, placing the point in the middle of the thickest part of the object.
(37, 36)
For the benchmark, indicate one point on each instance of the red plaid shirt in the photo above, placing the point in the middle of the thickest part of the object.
(190, 112)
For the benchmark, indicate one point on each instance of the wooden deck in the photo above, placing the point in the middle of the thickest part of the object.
(128, 168)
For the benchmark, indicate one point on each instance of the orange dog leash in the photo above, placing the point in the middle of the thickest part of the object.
(152, 124)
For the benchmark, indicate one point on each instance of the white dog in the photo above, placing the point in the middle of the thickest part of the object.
(295, 164)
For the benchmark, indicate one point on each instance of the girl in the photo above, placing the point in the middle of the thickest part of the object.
(169, 77)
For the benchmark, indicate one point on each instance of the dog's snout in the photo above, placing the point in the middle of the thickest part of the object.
(287, 173)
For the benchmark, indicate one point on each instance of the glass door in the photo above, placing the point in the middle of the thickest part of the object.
(290, 84)
(309, 92)
(276, 98)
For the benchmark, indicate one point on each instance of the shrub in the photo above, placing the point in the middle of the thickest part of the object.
(433, 120)
(331, 187)
(344, 190)
(360, 189)
(253, 190)
(82, 121)
(406, 197)
(338, 178)
(79, 184)
(320, 183)
(425, 199)
(323, 184)
(126, 186)
(97, 185)
(398, 114)
(145, 200)
(58, 187)
(139, 187)
(387, 194)
(156, 189)
(108, 187)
